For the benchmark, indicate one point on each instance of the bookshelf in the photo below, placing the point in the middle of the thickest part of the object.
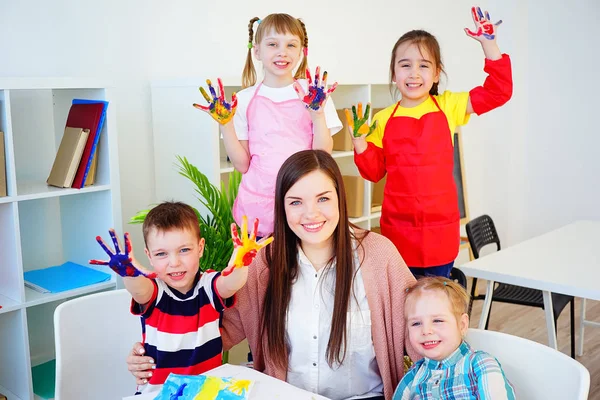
(179, 129)
(42, 226)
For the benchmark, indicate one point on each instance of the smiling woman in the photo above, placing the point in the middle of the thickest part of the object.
(324, 303)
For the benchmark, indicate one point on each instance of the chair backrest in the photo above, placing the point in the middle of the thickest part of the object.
(536, 371)
(459, 277)
(93, 336)
(481, 231)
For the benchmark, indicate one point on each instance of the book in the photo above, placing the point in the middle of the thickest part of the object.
(91, 176)
(44, 377)
(68, 157)
(93, 159)
(86, 116)
(2, 166)
(63, 277)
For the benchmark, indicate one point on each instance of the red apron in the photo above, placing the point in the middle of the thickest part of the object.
(420, 205)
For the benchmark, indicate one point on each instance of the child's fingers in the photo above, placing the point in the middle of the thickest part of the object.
(104, 246)
(298, 88)
(234, 235)
(367, 111)
(98, 262)
(317, 73)
(332, 88)
(254, 230)
(115, 241)
(359, 110)
(205, 95)
(487, 16)
(244, 228)
(212, 90)
(234, 102)
(308, 77)
(324, 84)
(498, 23)
(349, 119)
(201, 107)
(264, 242)
(479, 14)
(221, 90)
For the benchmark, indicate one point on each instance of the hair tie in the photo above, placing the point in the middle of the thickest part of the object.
(444, 283)
(249, 45)
(306, 52)
(259, 21)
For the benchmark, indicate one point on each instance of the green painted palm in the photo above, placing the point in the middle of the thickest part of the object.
(216, 225)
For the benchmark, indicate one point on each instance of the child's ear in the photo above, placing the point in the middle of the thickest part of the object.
(256, 51)
(148, 255)
(463, 324)
(201, 246)
(436, 78)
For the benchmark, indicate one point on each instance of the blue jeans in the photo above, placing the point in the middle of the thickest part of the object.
(440, 270)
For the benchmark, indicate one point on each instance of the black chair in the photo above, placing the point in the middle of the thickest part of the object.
(481, 231)
(459, 277)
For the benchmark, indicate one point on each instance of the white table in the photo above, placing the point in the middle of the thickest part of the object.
(566, 260)
(265, 386)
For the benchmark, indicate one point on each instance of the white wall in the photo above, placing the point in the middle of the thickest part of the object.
(530, 164)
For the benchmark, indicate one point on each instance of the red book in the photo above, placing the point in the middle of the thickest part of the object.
(85, 116)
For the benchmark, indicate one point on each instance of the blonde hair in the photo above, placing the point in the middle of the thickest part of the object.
(458, 296)
(282, 24)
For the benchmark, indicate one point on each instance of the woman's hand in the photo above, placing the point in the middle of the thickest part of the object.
(139, 365)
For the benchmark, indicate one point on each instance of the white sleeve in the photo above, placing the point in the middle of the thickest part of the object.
(331, 117)
(240, 119)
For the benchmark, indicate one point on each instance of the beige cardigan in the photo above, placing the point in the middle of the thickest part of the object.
(386, 278)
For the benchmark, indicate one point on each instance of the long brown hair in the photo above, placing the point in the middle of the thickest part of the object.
(282, 259)
(423, 40)
(282, 24)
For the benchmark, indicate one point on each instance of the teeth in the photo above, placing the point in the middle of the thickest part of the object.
(413, 84)
(430, 343)
(314, 226)
(176, 273)
(281, 63)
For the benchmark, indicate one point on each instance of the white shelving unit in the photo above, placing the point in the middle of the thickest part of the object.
(42, 226)
(180, 129)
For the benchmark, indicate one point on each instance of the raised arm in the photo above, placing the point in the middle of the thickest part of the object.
(315, 100)
(136, 279)
(223, 112)
(497, 88)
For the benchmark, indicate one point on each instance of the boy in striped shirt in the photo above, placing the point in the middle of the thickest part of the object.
(180, 306)
(437, 319)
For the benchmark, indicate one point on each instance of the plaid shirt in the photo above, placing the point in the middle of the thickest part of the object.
(465, 374)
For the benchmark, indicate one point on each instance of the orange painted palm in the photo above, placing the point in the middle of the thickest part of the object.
(245, 248)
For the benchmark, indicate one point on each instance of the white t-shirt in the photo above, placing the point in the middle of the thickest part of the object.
(240, 120)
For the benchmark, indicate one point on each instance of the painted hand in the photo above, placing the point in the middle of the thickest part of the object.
(121, 263)
(485, 29)
(218, 107)
(357, 124)
(245, 247)
(317, 93)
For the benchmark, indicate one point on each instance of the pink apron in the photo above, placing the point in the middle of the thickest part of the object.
(275, 132)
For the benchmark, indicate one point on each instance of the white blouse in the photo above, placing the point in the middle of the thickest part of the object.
(308, 327)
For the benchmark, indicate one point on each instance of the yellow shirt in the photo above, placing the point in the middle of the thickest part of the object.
(453, 105)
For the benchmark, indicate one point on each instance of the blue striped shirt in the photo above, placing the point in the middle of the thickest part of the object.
(464, 374)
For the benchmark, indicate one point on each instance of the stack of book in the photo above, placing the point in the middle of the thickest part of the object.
(77, 156)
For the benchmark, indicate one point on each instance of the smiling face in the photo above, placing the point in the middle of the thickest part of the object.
(415, 72)
(312, 210)
(280, 54)
(433, 328)
(175, 256)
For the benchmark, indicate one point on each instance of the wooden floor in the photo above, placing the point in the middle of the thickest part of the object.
(530, 323)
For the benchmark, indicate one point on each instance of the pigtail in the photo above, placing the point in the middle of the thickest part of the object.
(249, 73)
(301, 71)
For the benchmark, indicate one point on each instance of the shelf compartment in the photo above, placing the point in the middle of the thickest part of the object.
(15, 373)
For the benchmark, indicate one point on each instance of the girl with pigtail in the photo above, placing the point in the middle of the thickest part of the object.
(268, 121)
